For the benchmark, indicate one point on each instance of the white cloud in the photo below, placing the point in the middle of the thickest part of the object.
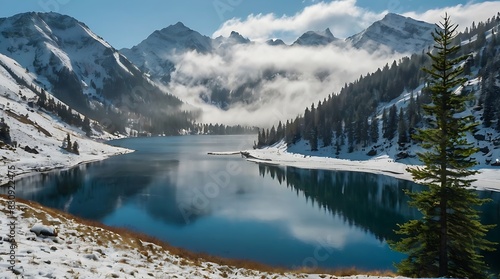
(463, 15)
(302, 76)
(343, 18)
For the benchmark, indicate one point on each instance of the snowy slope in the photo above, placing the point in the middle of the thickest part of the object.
(90, 251)
(40, 130)
(395, 33)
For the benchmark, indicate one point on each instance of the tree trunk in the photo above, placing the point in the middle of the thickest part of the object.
(443, 245)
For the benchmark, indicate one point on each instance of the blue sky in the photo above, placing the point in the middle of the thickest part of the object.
(127, 22)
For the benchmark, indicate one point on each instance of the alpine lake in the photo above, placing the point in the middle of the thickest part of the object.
(171, 189)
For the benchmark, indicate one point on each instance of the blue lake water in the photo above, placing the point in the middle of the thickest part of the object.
(223, 205)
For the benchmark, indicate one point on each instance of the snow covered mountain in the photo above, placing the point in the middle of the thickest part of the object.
(66, 56)
(316, 38)
(395, 33)
(154, 55)
(79, 68)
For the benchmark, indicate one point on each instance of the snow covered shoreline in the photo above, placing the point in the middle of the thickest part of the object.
(24, 168)
(85, 249)
(487, 179)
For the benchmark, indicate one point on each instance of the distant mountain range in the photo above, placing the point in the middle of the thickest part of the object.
(394, 33)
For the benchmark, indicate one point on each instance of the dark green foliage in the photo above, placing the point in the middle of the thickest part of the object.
(75, 147)
(447, 240)
(68, 143)
(497, 127)
(86, 126)
(374, 130)
(392, 123)
(67, 88)
(5, 132)
(402, 128)
(491, 99)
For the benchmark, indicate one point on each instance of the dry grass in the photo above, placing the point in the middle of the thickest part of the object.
(133, 240)
(23, 119)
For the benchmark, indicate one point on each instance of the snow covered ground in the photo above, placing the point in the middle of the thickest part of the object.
(87, 251)
(41, 131)
(296, 156)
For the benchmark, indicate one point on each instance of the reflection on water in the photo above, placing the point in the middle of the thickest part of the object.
(171, 189)
(372, 202)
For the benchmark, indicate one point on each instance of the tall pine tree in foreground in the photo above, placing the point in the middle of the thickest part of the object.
(448, 239)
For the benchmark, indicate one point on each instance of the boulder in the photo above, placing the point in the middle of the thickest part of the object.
(402, 155)
(485, 150)
(41, 230)
(479, 136)
(30, 150)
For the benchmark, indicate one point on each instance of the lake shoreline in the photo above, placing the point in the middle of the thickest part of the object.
(57, 166)
(486, 180)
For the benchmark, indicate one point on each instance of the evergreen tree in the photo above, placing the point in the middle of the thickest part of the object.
(75, 148)
(447, 240)
(490, 102)
(86, 126)
(413, 116)
(392, 123)
(349, 130)
(261, 139)
(42, 98)
(327, 133)
(364, 134)
(385, 123)
(68, 142)
(272, 136)
(374, 130)
(402, 128)
(498, 122)
(4, 132)
(280, 132)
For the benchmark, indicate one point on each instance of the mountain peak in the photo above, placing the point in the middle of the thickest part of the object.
(179, 24)
(238, 38)
(316, 38)
(275, 42)
(177, 28)
(328, 33)
(396, 33)
(393, 16)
